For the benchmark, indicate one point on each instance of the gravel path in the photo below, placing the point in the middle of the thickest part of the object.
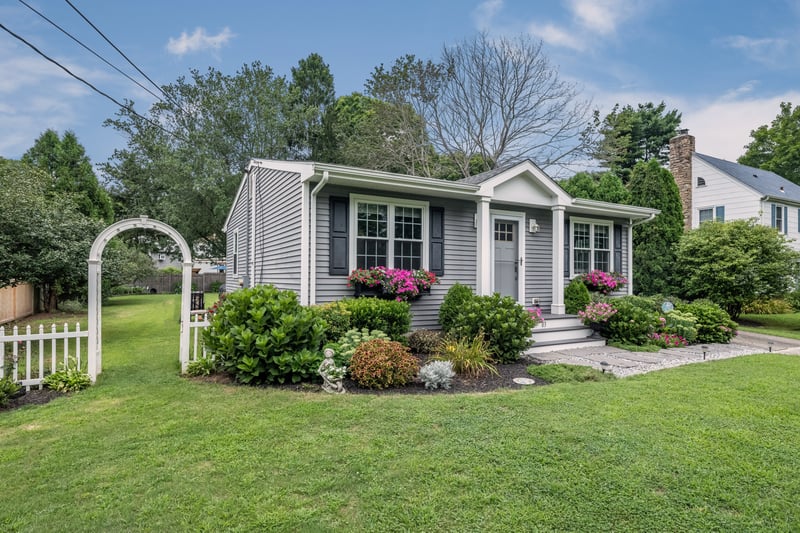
(624, 363)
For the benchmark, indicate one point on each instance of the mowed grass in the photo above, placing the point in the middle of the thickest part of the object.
(701, 447)
(783, 325)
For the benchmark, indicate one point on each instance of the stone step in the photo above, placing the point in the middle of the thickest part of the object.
(554, 346)
(561, 333)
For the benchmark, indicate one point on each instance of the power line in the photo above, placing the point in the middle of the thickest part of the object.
(95, 89)
(101, 58)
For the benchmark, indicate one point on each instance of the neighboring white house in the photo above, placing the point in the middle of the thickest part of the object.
(715, 189)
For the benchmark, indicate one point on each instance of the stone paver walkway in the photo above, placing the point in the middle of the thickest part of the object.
(624, 363)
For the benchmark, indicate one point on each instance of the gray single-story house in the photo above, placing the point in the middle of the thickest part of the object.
(305, 226)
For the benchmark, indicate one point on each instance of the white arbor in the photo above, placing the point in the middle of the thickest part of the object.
(95, 356)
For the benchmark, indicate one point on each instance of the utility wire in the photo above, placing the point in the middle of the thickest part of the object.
(95, 89)
(101, 58)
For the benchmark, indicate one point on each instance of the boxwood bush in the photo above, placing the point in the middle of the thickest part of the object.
(576, 296)
(390, 316)
(263, 335)
(451, 305)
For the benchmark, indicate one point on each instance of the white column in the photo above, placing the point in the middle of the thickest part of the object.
(557, 307)
(186, 293)
(307, 277)
(93, 357)
(630, 257)
(483, 281)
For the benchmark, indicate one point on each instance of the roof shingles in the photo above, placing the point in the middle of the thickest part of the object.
(765, 182)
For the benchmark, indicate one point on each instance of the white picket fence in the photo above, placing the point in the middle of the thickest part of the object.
(198, 321)
(29, 349)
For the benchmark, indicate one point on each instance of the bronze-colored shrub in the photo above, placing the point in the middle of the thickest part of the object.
(378, 364)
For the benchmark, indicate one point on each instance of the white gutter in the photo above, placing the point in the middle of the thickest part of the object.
(644, 220)
(312, 249)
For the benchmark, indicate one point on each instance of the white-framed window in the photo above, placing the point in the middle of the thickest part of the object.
(779, 217)
(707, 214)
(388, 232)
(591, 245)
(236, 252)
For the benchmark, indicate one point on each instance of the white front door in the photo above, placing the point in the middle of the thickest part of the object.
(506, 260)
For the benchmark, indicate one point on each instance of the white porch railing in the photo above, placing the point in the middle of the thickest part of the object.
(198, 321)
(29, 350)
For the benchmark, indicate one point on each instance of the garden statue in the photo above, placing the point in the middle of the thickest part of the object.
(332, 375)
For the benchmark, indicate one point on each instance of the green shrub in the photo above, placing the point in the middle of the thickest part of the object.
(633, 321)
(263, 335)
(682, 324)
(714, 324)
(389, 316)
(561, 373)
(794, 299)
(216, 286)
(505, 325)
(774, 306)
(576, 296)
(8, 389)
(456, 296)
(437, 374)
(204, 366)
(71, 306)
(379, 363)
(424, 341)
(346, 347)
(470, 357)
(67, 380)
(120, 290)
(170, 270)
(337, 320)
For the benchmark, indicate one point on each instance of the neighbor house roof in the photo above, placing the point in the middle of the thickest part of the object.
(763, 181)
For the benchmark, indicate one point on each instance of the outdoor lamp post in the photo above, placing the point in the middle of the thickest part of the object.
(705, 350)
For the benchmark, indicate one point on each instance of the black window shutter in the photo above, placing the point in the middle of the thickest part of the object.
(566, 249)
(437, 241)
(618, 248)
(338, 237)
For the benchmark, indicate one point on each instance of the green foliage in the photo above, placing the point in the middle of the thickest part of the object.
(634, 320)
(350, 340)
(605, 187)
(389, 316)
(69, 379)
(455, 298)
(653, 242)
(8, 388)
(216, 286)
(713, 323)
(504, 323)
(170, 270)
(263, 335)
(576, 296)
(336, 318)
(127, 289)
(735, 263)
(793, 298)
(205, 366)
(771, 306)
(437, 374)
(630, 136)
(774, 147)
(311, 101)
(424, 341)
(681, 323)
(470, 357)
(379, 363)
(71, 306)
(123, 264)
(562, 373)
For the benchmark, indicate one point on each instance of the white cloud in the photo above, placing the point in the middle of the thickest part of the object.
(599, 16)
(768, 51)
(484, 14)
(557, 36)
(198, 41)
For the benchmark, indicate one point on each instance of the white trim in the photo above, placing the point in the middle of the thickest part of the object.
(309, 280)
(630, 257)
(525, 167)
(592, 222)
(483, 272)
(558, 307)
(251, 241)
(235, 265)
(305, 239)
(519, 218)
(391, 203)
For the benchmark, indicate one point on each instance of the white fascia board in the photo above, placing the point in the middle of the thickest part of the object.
(607, 209)
(561, 196)
(780, 200)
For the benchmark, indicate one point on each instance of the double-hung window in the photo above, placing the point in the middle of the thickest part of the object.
(390, 233)
(711, 213)
(591, 246)
(780, 214)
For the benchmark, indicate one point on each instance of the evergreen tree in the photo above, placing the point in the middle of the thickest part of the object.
(605, 187)
(777, 147)
(311, 102)
(653, 243)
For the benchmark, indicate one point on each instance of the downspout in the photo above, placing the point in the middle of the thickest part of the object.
(312, 249)
(251, 241)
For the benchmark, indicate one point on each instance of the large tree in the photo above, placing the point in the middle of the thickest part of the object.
(777, 147)
(65, 160)
(629, 135)
(735, 263)
(653, 243)
(605, 187)
(311, 101)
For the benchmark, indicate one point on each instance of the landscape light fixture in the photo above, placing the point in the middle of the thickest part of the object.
(604, 367)
(769, 343)
(705, 349)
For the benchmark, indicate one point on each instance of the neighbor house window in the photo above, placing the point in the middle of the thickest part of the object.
(591, 246)
(779, 216)
(236, 252)
(389, 233)
(712, 213)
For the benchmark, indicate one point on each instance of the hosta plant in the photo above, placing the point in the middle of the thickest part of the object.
(69, 379)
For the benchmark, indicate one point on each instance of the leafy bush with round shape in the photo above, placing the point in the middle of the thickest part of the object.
(576, 296)
(793, 298)
(505, 325)
(451, 305)
(8, 389)
(389, 316)
(633, 322)
(337, 320)
(67, 380)
(714, 324)
(437, 374)
(424, 341)
(681, 324)
(204, 366)
(344, 349)
(378, 364)
(470, 357)
(263, 335)
(771, 306)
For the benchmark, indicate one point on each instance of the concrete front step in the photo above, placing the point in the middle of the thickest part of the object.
(561, 332)
(555, 346)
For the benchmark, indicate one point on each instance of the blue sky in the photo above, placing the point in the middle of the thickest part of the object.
(726, 65)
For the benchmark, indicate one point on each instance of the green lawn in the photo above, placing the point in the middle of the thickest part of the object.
(785, 325)
(709, 446)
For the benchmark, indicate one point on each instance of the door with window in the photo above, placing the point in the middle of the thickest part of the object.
(506, 266)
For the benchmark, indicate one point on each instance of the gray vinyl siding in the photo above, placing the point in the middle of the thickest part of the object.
(238, 222)
(459, 259)
(539, 259)
(278, 200)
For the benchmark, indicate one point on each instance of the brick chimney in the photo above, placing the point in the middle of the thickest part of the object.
(681, 148)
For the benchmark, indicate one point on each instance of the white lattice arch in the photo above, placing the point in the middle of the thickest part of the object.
(95, 363)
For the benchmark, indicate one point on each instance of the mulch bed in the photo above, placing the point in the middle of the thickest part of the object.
(33, 397)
